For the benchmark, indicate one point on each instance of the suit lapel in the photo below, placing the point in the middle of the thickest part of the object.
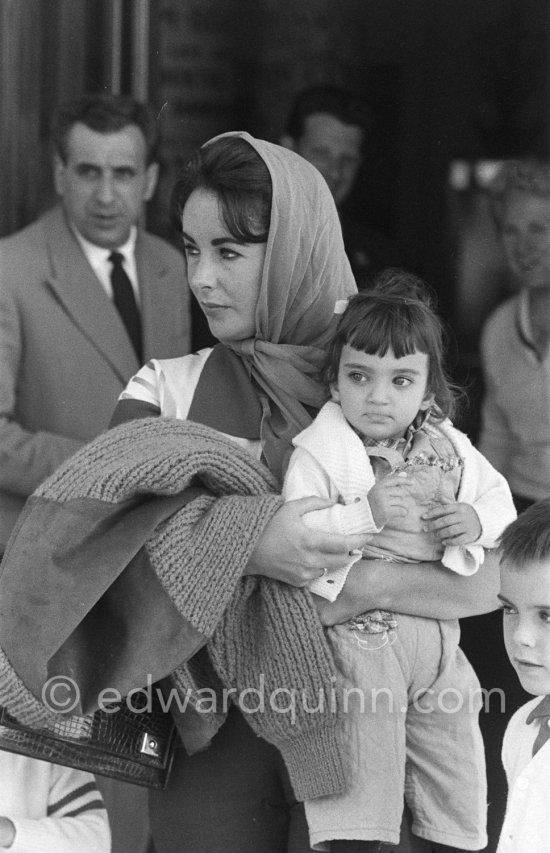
(76, 287)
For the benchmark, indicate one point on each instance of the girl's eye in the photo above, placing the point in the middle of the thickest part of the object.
(357, 377)
(545, 616)
(190, 250)
(402, 381)
(508, 610)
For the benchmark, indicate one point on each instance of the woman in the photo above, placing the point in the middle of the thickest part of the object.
(266, 262)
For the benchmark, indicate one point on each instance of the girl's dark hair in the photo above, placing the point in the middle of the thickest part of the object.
(235, 172)
(397, 313)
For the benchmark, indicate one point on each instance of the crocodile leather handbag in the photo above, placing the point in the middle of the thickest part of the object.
(134, 746)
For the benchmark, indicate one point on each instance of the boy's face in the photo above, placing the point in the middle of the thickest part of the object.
(525, 595)
(381, 395)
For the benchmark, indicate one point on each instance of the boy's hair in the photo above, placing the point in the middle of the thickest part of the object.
(396, 313)
(527, 539)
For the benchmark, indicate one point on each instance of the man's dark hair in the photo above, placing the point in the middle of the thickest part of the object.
(332, 100)
(104, 114)
(527, 539)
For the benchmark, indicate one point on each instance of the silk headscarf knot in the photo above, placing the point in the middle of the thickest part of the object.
(306, 274)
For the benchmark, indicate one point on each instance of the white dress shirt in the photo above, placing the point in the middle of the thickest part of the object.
(98, 258)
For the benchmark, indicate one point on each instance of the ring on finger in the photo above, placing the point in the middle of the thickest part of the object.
(325, 572)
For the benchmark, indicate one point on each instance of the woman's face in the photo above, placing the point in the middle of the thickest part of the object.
(526, 237)
(224, 274)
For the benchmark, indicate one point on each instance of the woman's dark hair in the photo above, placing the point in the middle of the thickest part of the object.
(235, 172)
(397, 313)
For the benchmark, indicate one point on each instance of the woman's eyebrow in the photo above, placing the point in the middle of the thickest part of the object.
(218, 241)
(503, 599)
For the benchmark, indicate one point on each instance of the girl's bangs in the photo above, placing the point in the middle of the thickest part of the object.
(388, 329)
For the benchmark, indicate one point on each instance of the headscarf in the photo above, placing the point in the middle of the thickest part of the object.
(306, 274)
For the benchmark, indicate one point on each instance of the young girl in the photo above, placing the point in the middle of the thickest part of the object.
(384, 450)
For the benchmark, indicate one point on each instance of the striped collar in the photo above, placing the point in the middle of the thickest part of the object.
(403, 444)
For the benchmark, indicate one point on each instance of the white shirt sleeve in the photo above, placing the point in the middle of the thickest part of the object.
(76, 819)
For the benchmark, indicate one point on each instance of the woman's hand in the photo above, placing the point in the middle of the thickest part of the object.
(418, 589)
(289, 551)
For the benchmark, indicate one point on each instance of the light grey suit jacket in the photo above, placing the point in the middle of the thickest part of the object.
(64, 352)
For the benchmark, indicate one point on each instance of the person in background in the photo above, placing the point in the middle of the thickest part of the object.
(525, 599)
(46, 808)
(86, 295)
(328, 125)
(515, 430)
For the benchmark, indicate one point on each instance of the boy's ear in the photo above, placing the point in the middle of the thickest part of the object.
(334, 392)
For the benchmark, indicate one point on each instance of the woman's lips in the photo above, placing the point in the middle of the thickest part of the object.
(527, 665)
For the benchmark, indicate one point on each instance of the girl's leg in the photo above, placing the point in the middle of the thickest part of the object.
(408, 843)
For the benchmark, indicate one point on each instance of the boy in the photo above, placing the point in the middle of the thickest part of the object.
(50, 809)
(525, 595)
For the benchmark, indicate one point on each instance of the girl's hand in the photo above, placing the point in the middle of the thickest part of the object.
(453, 523)
(386, 498)
(289, 551)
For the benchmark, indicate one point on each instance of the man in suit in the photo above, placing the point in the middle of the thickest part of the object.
(69, 341)
(328, 126)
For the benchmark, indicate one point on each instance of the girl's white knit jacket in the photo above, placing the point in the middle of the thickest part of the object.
(330, 462)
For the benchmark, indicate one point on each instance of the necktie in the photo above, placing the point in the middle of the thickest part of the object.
(541, 713)
(125, 301)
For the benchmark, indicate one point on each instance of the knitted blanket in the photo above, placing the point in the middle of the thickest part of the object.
(126, 566)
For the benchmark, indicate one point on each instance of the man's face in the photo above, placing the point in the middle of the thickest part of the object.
(104, 182)
(335, 149)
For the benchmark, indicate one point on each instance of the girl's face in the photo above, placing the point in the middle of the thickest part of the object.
(224, 274)
(381, 395)
(526, 238)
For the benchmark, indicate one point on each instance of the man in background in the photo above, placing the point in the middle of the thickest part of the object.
(86, 297)
(328, 126)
